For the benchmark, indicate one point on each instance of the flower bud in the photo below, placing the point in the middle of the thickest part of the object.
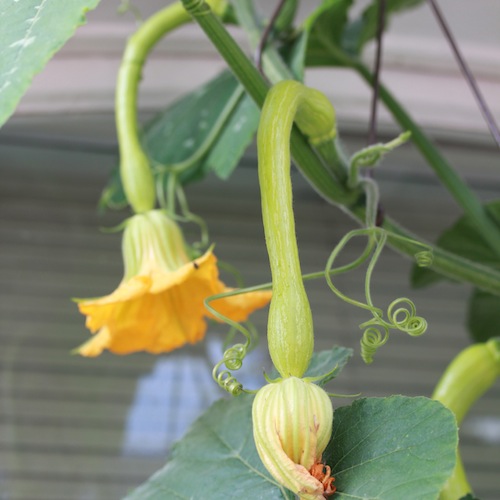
(292, 425)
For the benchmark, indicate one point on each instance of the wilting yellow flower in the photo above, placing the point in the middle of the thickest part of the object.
(292, 425)
(159, 304)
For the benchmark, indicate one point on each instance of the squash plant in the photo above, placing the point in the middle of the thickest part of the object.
(285, 439)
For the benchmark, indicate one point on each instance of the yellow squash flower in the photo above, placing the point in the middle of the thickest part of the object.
(159, 304)
(292, 425)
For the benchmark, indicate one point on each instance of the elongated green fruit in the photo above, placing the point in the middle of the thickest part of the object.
(290, 327)
(465, 380)
(135, 171)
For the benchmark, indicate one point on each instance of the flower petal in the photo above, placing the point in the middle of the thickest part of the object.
(203, 269)
(95, 345)
(153, 322)
(100, 311)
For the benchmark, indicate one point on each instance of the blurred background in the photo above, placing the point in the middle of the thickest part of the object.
(92, 429)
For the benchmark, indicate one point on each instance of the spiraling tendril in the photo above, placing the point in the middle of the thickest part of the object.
(405, 318)
(424, 258)
(233, 356)
(401, 313)
(233, 360)
(372, 339)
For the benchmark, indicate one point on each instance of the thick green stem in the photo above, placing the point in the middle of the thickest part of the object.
(276, 70)
(290, 329)
(273, 65)
(443, 262)
(135, 171)
(446, 174)
(315, 172)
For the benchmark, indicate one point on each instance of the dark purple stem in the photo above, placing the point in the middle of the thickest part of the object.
(265, 36)
(483, 106)
(372, 134)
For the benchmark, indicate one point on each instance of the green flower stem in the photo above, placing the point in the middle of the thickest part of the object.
(241, 66)
(290, 328)
(135, 171)
(465, 380)
(313, 168)
(447, 175)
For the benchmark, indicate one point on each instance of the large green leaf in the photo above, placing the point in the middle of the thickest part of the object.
(323, 30)
(364, 28)
(463, 239)
(483, 318)
(178, 132)
(216, 460)
(32, 32)
(234, 139)
(212, 126)
(334, 39)
(392, 448)
(381, 449)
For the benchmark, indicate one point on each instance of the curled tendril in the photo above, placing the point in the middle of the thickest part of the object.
(372, 340)
(404, 318)
(227, 381)
(233, 360)
(233, 356)
(424, 258)
(401, 313)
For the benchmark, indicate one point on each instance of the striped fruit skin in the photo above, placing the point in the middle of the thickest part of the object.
(292, 425)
